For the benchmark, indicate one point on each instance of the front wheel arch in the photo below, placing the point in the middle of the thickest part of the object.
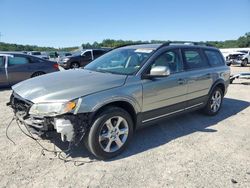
(121, 104)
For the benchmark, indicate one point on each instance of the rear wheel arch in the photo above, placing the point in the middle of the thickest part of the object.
(219, 83)
(37, 73)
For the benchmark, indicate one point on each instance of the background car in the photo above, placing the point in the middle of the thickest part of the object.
(63, 55)
(80, 60)
(235, 58)
(245, 58)
(38, 54)
(15, 67)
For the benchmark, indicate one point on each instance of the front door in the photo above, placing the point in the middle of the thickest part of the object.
(86, 58)
(163, 96)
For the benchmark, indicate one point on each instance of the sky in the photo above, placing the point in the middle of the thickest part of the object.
(64, 23)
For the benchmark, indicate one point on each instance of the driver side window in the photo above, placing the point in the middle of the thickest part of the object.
(171, 59)
(87, 55)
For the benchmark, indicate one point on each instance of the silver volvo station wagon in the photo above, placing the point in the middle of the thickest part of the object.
(125, 89)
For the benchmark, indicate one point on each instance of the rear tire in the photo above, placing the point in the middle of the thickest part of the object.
(214, 103)
(110, 133)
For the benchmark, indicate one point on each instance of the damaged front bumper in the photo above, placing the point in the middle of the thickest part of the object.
(72, 127)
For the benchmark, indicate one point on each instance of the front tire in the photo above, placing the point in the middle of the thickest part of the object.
(74, 65)
(244, 63)
(214, 103)
(110, 133)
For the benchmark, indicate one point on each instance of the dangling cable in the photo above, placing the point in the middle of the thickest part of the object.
(57, 153)
(7, 128)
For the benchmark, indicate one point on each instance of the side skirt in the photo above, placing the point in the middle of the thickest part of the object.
(150, 117)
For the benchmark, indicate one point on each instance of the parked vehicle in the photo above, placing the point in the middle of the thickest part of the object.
(245, 58)
(82, 59)
(16, 67)
(237, 58)
(125, 89)
(63, 55)
(39, 54)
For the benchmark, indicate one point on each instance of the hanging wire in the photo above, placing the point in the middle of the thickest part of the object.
(58, 154)
(7, 129)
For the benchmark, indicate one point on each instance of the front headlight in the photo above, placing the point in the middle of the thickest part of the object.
(52, 109)
(65, 59)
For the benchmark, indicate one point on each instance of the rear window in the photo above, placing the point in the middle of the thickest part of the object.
(193, 59)
(214, 58)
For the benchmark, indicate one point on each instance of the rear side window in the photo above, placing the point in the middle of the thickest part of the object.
(193, 60)
(17, 61)
(98, 53)
(214, 58)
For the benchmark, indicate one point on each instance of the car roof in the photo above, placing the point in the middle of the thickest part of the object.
(12, 53)
(171, 45)
(20, 53)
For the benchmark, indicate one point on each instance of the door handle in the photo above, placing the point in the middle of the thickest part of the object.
(181, 81)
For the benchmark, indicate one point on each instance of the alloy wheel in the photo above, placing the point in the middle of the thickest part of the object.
(216, 101)
(113, 134)
(74, 65)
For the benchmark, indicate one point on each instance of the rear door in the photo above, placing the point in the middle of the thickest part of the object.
(199, 76)
(19, 68)
(3, 73)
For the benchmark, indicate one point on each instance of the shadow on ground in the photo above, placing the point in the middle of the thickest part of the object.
(168, 130)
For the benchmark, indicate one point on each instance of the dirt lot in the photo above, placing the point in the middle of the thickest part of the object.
(189, 151)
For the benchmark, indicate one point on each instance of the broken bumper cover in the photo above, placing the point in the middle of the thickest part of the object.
(72, 127)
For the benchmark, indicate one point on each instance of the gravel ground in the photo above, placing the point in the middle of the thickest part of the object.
(191, 150)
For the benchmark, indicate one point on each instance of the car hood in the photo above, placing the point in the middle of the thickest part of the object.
(66, 85)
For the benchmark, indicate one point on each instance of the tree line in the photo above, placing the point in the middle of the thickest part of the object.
(241, 42)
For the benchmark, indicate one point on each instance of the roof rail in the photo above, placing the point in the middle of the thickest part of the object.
(169, 43)
(131, 44)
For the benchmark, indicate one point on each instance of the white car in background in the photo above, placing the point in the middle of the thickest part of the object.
(237, 58)
(39, 54)
(245, 58)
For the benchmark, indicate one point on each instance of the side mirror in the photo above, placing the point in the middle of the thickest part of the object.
(160, 71)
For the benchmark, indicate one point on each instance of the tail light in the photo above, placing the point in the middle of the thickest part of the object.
(56, 66)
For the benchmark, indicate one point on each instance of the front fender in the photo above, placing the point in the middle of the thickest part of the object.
(94, 102)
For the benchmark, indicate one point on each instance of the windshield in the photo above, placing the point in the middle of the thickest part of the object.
(120, 61)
